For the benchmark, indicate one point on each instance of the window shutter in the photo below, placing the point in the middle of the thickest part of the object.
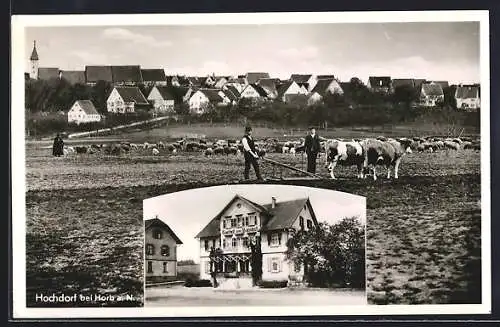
(269, 264)
(269, 239)
(280, 263)
(279, 238)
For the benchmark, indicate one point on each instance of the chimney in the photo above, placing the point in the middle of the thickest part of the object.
(273, 203)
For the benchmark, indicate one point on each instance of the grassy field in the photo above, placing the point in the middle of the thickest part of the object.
(84, 221)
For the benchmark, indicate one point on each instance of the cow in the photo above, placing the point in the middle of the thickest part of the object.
(346, 153)
(155, 152)
(388, 153)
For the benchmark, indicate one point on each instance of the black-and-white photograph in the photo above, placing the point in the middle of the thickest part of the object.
(286, 115)
(257, 245)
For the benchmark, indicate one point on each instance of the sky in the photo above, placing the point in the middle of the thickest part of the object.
(188, 212)
(432, 50)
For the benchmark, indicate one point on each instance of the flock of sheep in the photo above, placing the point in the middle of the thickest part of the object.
(234, 147)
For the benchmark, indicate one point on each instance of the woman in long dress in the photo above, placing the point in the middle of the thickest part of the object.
(58, 147)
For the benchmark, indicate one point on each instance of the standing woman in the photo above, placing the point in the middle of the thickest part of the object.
(58, 146)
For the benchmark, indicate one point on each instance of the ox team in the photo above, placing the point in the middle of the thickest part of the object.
(367, 154)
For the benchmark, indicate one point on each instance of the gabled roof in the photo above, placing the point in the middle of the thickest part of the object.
(34, 53)
(268, 84)
(398, 82)
(74, 76)
(87, 106)
(432, 89)
(300, 78)
(193, 80)
(126, 74)
(230, 93)
(444, 84)
(212, 95)
(283, 215)
(165, 92)
(155, 222)
(325, 76)
(467, 92)
(234, 91)
(380, 81)
(259, 90)
(418, 82)
(47, 73)
(98, 73)
(131, 94)
(284, 87)
(253, 77)
(322, 86)
(153, 75)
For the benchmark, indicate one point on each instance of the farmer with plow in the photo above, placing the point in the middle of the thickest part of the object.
(250, 154)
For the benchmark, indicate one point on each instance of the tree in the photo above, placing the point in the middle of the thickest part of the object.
(215, 256)
(99, 95)
(332, 254)
(256, 260)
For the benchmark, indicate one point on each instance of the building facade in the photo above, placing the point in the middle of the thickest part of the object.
(125, 99)
(160, 251)
(242, 223)
(83, 111)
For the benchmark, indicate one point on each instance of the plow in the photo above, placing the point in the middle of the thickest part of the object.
(279, 167)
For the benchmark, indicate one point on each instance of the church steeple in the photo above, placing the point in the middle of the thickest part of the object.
(34, 62)
(34, 54)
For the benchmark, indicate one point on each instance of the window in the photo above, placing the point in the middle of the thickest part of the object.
(206, 245)
(309, 224)
(224, 243)
(150, 266)
(239, 221)
(251, 220)
(157, 234)
(150, 249)
(207, 266)
(165, 267)
(245, 242)
(275, 239)
(224, 223)
(301, 221)
(245, 222)
(233, 222)
(165, 250)
(234, 242)
(274, 265)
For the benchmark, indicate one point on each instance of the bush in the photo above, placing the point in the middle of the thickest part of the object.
(273, 284)
(198, 283)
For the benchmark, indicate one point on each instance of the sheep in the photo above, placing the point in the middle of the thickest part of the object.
(81, 149)
(209, 152)
(451, 145)
(285, 149)
(155, 152)
(218, 151)
(133, 146)
(174, 151)
(292, 151)
(145, 146)
(192, 147)
(160, 145)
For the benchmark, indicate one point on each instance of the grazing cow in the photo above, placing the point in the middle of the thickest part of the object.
(345, 153)
(387, 153)
(156, 152)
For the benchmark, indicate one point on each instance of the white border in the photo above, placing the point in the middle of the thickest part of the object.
(18, 159)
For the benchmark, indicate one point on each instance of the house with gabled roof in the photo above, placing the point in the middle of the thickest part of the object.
(154, 76)
(83, 111)
(322, 88)
(203, 99)
(254, 77)
(128, 75)
(253, 92)
(444, 84)
(468, 97)
(290, 88)
(160, 251)
(238, 83)
(269, 85)
(269, 226)
(93, 74)
(162, 98)
(48, 73)
(400, 82)
(126, 99)
(74, 76)
(431, 94)
(308, 81)
(380, 84)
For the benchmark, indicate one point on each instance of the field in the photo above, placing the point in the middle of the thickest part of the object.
(84, 220)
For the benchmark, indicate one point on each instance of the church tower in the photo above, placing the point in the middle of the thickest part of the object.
(34, 63)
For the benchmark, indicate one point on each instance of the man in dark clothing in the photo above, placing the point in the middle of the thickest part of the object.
(58, 147)
(312, 147)
(250, 154)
